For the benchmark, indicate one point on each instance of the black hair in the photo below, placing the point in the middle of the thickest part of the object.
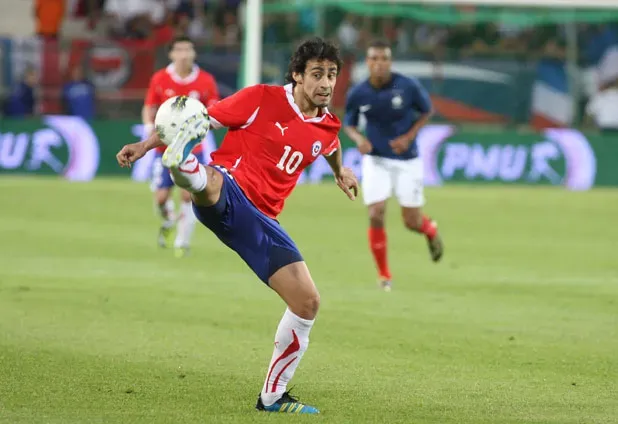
(379, 43)
(312, 49)
(180, 39)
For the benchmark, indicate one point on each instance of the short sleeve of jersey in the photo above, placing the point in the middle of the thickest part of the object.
(238, 109)
(420, 98)
(351, 110)
(332, 147)
(153, 98)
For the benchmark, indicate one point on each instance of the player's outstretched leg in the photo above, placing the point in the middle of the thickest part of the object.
(185, 169)
(378, 244)
(414, 220)
(295, 286)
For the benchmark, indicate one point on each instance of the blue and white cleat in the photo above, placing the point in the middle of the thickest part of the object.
(286, 404)
(191, 133)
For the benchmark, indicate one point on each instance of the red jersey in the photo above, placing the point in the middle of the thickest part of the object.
(270, 142)
(166, 83)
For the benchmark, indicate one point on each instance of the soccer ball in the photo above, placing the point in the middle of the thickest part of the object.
(174, 112)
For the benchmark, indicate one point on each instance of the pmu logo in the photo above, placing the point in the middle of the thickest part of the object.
(68, 147)
(564, 157)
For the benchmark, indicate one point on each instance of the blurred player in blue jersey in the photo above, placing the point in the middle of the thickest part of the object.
(395, 108)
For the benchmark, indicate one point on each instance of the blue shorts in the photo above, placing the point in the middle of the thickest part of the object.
(259, 240)
(161, 178)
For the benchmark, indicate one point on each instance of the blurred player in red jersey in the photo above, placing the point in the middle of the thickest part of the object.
(181, 77)
(274, 133)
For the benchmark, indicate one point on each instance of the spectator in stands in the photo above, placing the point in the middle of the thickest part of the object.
(78, 95)
(21, 100)
(137, 18)
(49, 15)
(347, 33)
(227, 31)
(602, 108)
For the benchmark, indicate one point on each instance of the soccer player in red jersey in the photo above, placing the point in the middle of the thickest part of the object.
(181, 77)
(274, 133)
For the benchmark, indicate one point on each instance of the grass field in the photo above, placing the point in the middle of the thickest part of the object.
(518, 324)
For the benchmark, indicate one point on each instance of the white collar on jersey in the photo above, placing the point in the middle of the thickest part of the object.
(289, 94)
(178, 79)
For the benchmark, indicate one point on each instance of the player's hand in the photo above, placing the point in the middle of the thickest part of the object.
(348, 183)
(400, 144)
(365, 147)
(130, 153)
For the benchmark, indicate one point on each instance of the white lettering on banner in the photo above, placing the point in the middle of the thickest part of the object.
(42, 143)
(484, 164)
(456, 157)
(512, 162)
(506, 162)
(541, 154)
(13, 150)
(74, 132)
(509, 162)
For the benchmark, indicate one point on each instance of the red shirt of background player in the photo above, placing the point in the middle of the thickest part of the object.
(166, 83)
(269, 142)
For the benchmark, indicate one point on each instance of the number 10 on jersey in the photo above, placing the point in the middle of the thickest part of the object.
(290, 162)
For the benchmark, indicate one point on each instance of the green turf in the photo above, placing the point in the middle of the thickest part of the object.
(519, 324)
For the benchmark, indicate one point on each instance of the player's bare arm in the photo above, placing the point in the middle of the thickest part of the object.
(364, 145)
(345, 178)
(402, 143)
(148, 117)
(132, 152)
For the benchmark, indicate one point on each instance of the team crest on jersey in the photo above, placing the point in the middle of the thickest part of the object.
(194, 94)
(180, 102)
(397, 101)
(317, 148)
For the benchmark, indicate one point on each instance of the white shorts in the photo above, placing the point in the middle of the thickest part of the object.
(383, 176)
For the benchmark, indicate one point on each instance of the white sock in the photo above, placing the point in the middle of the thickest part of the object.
(186, 225)
(291, 342)
(166, 211)
(190, 175)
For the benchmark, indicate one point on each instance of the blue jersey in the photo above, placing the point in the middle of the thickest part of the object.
(79, 99)
(390, 112)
